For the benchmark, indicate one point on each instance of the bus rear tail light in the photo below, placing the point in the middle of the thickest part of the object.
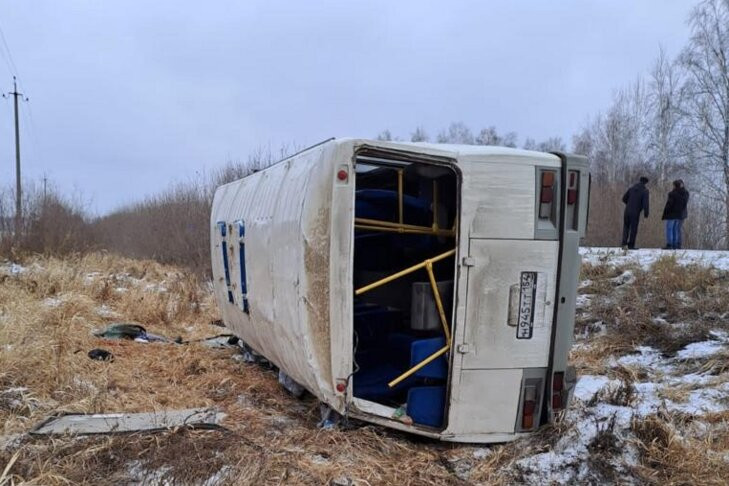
(557, 389)
(573, 187)
(529, 407)
(546, 194)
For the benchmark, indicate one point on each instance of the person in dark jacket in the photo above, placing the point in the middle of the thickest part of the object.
(674, 213)
(636, 201)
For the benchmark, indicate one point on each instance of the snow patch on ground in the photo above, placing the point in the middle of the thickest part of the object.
(567, 462)
(588, 385)
(646, 258)
(700, 350)
(10, 268)
(646, 357)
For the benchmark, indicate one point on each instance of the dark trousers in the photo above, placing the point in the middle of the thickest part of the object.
(630, 229)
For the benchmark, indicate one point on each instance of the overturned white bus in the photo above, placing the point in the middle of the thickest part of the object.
(428, 288)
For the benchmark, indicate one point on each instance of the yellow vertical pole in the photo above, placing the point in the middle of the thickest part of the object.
(438, 302)
(400, 194)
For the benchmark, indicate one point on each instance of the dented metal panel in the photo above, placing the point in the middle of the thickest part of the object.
(299, 241)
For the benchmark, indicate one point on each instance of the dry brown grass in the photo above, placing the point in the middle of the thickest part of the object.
(690, 300)
(47, 315)
(669, 457)
(270, 437)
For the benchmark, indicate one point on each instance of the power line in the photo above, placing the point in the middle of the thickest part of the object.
(9, 59)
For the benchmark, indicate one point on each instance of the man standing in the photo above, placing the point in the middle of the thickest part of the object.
(674, 213)
(636, 201)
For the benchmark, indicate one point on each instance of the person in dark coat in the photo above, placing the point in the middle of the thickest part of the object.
(674, 213)
(636, 201)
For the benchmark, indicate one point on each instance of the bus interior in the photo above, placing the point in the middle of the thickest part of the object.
(404, 271)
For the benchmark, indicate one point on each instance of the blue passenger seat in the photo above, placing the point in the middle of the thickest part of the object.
(426, 405)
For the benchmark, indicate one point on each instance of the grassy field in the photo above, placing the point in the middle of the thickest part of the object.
(651, 406)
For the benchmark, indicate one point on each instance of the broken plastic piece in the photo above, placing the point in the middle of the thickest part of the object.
(108, 423)
(329, 418)
(287, 382)
(99, 354)
(400, 415)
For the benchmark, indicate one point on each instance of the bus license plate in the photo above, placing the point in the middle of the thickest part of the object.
(528, 284)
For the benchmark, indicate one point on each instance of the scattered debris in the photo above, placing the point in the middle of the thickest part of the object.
(291, 386)
(135, 332)
(401, 414)
(108, 423)
(217, 322)
(329, 417)
(625, 278)
(16, 399)
(222, 341)
(99, 354)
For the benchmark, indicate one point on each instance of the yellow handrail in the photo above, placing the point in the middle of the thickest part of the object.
(428, 265)
(402, 273)
(420, 365)
(414, 231)
(438, 302)
(390, 224)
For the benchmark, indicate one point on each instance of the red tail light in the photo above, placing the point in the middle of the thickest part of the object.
(557, 388)
(572, 188)
(546, 194)
(529, 407)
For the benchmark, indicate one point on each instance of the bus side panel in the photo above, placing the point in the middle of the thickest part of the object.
(570, 261)
(285, 210)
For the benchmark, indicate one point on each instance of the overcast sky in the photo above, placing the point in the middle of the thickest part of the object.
(127, 97)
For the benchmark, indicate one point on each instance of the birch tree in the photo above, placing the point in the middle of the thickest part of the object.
(706, 61)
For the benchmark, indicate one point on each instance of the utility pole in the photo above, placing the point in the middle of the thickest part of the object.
(18, 198)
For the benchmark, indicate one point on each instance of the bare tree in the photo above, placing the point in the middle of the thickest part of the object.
(419, 135)
(457, 132)
(552, 144)
(384, 135)
(489, 136)
(706, 60)
(665, 136)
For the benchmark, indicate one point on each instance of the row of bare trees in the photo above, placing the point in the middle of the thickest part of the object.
(671, 124)
(170, 227)
(52, 222)
(460, 133)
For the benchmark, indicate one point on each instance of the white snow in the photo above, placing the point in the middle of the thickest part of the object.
(700, 350)
(583, 301)
(567, 463)
(647, 357)
(663, 382)
(646, 258)
(588, 385)
(11, 268)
